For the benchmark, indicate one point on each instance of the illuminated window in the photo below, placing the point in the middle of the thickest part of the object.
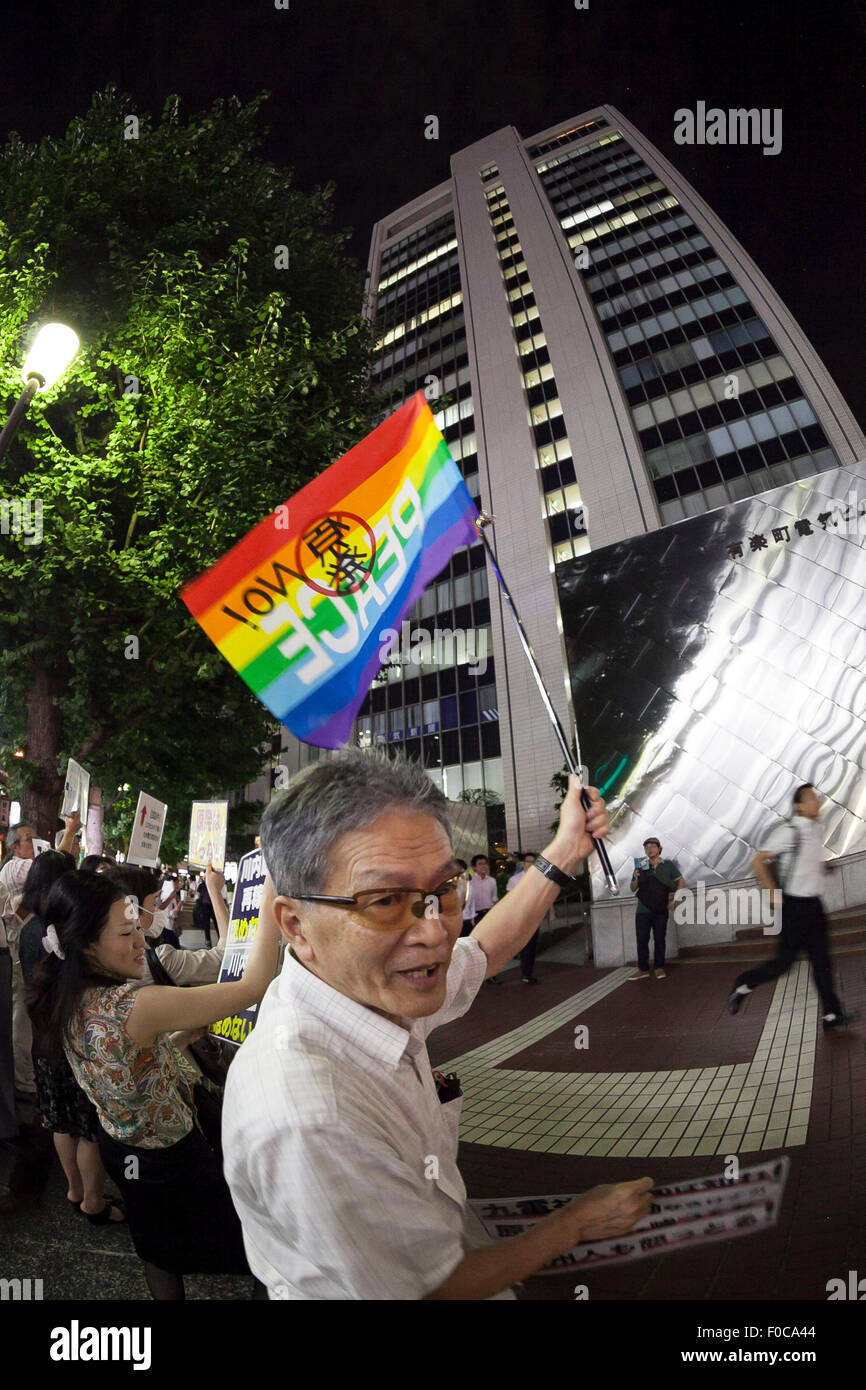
(415, 265)
(803, 413)
(547, 410)
(554, 503)
(779, 368)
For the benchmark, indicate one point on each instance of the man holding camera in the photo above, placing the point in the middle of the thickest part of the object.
(655, 886)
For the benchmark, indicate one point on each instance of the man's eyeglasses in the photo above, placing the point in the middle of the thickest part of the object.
(386, 907)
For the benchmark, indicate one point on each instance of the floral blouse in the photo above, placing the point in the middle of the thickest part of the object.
(144, 1095)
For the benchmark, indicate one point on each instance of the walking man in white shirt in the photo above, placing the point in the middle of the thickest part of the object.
(340, 1145)
(798, 849)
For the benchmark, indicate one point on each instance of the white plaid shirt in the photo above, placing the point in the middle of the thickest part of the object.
(341, 1160)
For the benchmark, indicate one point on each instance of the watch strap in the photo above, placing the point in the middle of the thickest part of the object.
(552, 872)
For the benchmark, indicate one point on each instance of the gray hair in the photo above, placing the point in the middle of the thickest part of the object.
(13, 835)
(327, 799)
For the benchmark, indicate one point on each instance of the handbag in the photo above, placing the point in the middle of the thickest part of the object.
(651, 892)
(212, 1056)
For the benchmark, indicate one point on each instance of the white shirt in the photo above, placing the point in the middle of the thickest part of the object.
(484, 892)
(804, 875)
(468, 906)
(13, 876)
(186, 967)
(514, 880)
(331, 1125)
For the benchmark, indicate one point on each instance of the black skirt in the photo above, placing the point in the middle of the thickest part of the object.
(178, 1206)
(63, 1106)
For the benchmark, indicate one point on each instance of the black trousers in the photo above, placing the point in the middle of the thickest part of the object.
(527, 956)
(203, 920)
(804, 928)
(657, 923)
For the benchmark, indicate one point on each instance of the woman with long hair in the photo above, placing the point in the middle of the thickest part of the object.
(152, 1143)
(63, 1106)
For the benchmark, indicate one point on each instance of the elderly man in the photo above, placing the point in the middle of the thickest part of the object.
(340, 1148)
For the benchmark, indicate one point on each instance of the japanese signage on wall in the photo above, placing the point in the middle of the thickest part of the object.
(847, 520)
(208, 825)
(243, 922)
(684, 1214)
(147, 828)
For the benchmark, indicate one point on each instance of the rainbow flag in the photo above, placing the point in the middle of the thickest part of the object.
(300, 606)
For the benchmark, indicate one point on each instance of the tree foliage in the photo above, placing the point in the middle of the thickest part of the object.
(211, 384)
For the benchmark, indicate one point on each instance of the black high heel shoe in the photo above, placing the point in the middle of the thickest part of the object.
(76, 1206)
(103, 1218)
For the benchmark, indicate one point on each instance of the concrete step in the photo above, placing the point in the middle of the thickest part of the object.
(738, 957)
(846, 939)
(848, 917)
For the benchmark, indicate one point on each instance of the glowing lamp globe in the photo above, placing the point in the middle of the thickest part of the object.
(53, 349)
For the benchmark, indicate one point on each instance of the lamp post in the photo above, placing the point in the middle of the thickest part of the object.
(53, 349)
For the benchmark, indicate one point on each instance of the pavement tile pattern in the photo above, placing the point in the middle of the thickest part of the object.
(734, 1107)
(753, 1084)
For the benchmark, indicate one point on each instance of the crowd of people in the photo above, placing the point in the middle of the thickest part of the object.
(326, 1165)
(308, 1170)
(111, 1026)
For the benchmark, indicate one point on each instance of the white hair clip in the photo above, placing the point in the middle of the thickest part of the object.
(51, 942)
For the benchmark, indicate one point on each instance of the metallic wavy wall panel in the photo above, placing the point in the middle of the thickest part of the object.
(709, 683)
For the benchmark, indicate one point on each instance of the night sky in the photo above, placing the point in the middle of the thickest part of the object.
(351, 84)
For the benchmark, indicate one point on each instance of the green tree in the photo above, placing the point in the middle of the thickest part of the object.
(224, 363)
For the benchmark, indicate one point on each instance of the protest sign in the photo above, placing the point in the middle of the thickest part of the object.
(208, 825)
(76, 790)
(147, 828)
(243, 921)
(694, 1212)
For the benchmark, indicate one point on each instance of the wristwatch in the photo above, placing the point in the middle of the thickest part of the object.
(552, 872)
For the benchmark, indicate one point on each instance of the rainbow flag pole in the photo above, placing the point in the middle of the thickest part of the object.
(302, 605)
(305, 606)
(481, 521)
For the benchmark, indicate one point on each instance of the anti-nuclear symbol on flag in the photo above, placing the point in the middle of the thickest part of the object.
(334, 558)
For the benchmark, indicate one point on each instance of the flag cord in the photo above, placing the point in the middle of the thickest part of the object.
(482, 521)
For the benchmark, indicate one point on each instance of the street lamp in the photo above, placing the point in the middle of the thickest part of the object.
(53, 349)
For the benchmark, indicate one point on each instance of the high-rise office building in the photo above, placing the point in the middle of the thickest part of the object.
(613, 361)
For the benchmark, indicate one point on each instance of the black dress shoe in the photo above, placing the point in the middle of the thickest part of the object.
(840, 1021)
(735, 999)
(529, 980)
